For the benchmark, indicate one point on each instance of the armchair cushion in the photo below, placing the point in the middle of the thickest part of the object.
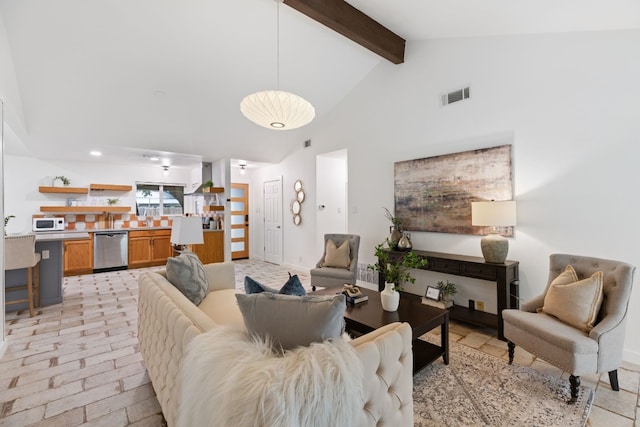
(337, 256)
(292, 321)
(576, 303)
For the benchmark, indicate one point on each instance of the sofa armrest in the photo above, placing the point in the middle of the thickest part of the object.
(167, 321)
(220, 275)
(387, 361)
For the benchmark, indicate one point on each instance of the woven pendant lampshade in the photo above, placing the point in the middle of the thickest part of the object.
(276, 109)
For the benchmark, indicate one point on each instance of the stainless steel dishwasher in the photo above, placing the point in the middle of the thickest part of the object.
(110, 251)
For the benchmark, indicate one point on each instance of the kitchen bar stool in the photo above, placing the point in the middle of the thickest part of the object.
(19, 253)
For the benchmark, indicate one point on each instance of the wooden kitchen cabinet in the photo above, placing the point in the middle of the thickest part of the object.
(78, 256)
(212, 250)
(149, 247)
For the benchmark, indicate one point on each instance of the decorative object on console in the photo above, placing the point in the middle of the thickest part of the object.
(404, 244)
(276, 109)
(495, 214)
(434, 193)
(440, 295)
(395, 230)
(394, 273)
(186, 230)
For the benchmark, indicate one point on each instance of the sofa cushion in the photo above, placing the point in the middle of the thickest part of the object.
(292, 321)
(293, 286)
(186, 273)
(576, 303)
(222, 308)
(337, 256)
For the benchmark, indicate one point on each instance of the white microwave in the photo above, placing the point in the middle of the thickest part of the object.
(48, 224)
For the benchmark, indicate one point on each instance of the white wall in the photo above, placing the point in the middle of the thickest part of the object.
(567, 103)
(331, 187)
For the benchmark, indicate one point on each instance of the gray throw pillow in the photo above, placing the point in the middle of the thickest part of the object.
(292, 321)
(186, 273)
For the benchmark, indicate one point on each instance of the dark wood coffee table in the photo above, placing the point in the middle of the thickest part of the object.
(369, 315)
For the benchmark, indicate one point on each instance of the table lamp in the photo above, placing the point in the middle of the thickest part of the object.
(494, 214)
(186, 230)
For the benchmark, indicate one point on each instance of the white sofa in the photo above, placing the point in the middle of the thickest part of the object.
(168, 321)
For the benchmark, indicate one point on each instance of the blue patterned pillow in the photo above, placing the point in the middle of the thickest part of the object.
(293, 286)
(186, 273)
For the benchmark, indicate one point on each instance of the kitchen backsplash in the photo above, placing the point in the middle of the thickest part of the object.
(117, 221)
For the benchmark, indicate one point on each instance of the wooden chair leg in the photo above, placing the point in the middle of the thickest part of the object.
(575, 384)
(30, 289)
(512, 351)
(613, 380)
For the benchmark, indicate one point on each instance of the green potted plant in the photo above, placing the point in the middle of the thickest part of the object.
(6, 221)
(206, 187)
(112, 202)
(394, 272)
(62, 179)
(447, 289)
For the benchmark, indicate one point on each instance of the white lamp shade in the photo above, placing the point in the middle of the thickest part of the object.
(186, 230)
(494, 214)
(275, 109)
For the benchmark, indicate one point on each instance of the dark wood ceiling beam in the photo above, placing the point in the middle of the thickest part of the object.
(345, 19)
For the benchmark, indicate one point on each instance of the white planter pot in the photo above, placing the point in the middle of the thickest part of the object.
(389, 298)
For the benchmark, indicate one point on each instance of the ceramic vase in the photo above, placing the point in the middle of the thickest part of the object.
(389, 298)
(395, 234)
(405, 242)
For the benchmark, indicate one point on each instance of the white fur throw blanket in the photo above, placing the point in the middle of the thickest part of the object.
(231, 379)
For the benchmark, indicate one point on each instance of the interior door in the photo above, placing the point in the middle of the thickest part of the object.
(273, 221)
(239, 221)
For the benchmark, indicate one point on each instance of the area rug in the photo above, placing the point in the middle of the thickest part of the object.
(478, 389)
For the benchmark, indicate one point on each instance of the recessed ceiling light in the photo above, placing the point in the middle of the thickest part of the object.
(95, 153)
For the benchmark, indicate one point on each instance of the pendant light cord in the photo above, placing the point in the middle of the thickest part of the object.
(278, 44)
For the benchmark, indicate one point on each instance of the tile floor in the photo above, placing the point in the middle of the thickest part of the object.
(77, 363)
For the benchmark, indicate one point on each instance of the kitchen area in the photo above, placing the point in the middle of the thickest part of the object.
(95, 228)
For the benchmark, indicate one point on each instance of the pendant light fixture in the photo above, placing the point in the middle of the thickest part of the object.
(276, 109)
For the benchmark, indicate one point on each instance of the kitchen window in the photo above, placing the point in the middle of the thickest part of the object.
(159, 199)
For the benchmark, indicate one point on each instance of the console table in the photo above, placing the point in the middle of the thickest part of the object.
(504, 275)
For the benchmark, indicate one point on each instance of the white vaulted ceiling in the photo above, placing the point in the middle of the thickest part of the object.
(132, 76)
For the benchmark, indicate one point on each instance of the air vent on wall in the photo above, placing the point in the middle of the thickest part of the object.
(456, 95)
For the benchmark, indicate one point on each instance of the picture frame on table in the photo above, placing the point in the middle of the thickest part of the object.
(432, 293)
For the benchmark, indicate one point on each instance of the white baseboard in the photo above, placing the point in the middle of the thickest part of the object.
(631, 357)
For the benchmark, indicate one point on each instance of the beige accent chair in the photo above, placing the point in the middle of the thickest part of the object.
(330, 277)
(571, 349)
(19, 253)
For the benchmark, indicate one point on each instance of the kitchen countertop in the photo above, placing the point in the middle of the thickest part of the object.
(52, 236)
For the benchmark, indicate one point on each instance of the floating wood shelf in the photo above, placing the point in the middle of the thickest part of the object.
(110, 187)
(85, 209)
(213, 190)
(212, 208)
(64, 190)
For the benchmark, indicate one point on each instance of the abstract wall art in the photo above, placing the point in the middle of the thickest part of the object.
(435, 193)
